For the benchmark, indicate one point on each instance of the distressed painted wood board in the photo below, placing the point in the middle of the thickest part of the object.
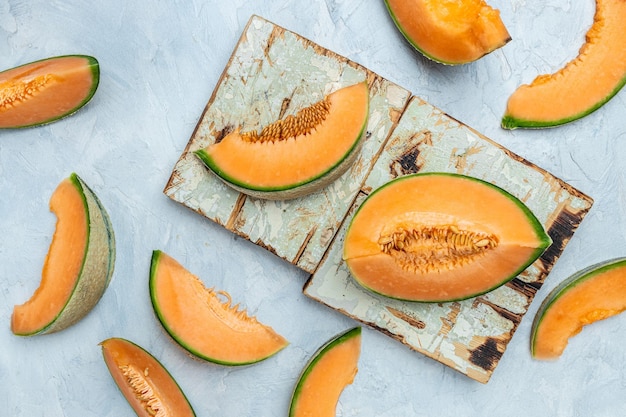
(470, 336)
(272, 73)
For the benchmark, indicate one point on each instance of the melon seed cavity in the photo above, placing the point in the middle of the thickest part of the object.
(303, 123)
(13, 93)
(144, 391)
(425, 249)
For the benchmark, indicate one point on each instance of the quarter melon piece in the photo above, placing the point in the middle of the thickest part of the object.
(328, 372)
(592, 294)
(203, 320)
(78, 266)
(145, 383)
(437, 237)
(44, 91)
(297, 155)
(584, 84)
(449, 31)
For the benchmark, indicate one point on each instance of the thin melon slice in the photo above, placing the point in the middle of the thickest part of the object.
(449, 31)
(145, 383)
(328, 372)
(584, 84)
(44, 91)
(297, 155)
(592, 294)
(437, 237)
(79, 264)
(203, 321)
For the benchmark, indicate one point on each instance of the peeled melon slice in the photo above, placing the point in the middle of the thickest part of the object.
(297, 155)
(79, 264)
(44, 91)
(437, 237)
(449, 31)
(328, 372)
(593, 294)
(203, 321)
(145, 383)
(584, 84)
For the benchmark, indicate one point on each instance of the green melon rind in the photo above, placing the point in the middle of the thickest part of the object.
(544, 239)
(511, 122)
(293, 190)
(97, 265)
(565, 286)
(317, 356)
(94, 66)
(422, 51)
(154, 265)
(156, 360)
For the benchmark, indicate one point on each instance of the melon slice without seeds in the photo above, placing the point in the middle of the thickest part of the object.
(79, 264)
(47, 90)
(203, 321)
(145, 383)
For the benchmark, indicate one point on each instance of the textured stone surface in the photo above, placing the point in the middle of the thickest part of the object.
(161, 62)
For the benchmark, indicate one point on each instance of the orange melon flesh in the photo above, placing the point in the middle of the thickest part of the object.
(584, 84)
(594, 294)
(450, 31)
(202, 320)
(288, 163)
(449, 201)
(48, 89)
(120, 353)
(63, 263)
(331, 369)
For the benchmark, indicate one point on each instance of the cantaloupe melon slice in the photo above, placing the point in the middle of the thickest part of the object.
(437, 237)
(584, 84)
(593, 294)
(328, 372)
(79, 264)
(44, 91)
(145, 383)
(297, 155)
(449, 31)
(203, 321)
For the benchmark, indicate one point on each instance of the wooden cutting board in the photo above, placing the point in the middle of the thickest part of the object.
(274, 72)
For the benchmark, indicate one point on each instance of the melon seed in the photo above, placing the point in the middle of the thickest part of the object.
(303, 123)
(13, 93)
(144, 391)
(422, 248)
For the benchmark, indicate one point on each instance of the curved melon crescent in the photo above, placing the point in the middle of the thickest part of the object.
(584, 84)
(328, 372)
(79, 264)
(203, 321)
(47, 90)
(592, 294)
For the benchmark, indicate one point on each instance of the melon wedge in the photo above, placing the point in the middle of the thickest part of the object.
(47, 90)
(449, 31)
(590, 295)
(437, 237)
(583, 85)
(297, 155)
(203, 321)
(328, 372)
(145, 383)
(79, 264)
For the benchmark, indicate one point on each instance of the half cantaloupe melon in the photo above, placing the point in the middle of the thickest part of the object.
(145, 383)
(449, 31)
(297, 155)
(584, 84)
(79, 264)
(203, 321)
(593, 294)
(44, 91)
(328, 372)
(437, 237)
